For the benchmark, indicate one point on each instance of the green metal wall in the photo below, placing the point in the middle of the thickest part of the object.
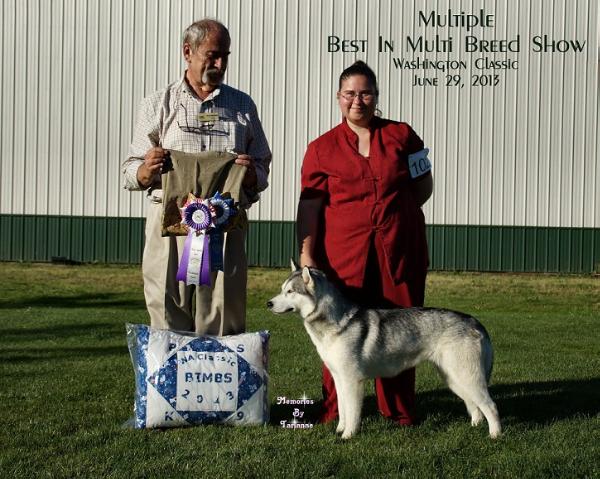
(272, 243)
(76, 238)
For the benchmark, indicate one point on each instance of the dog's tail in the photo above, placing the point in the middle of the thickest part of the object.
(485, 345)
(487, 355)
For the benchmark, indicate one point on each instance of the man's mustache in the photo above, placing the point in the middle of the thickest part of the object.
(212, 76)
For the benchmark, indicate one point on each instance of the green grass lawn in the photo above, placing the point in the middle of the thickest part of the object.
(66, 387)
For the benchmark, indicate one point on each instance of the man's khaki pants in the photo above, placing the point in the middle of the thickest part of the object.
(220, 308)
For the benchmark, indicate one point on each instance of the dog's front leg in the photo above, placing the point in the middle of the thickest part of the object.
(353, 398)
(341, 403)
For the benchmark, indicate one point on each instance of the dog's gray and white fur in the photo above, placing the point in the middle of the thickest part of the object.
(357, 343)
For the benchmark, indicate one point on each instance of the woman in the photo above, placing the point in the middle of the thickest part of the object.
(360, 219)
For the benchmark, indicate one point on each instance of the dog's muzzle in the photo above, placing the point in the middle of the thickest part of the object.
(276, 310)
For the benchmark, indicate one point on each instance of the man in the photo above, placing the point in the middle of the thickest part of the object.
(172, 119)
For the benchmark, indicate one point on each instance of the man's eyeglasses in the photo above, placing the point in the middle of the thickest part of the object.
(216, 54)
(205, 128)
(363, 96)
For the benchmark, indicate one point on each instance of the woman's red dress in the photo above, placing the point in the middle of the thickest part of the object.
(371, 239)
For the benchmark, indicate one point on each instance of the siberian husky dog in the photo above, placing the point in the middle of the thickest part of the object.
(357, 343)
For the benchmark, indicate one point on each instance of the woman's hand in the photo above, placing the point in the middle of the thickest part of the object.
(422, 188)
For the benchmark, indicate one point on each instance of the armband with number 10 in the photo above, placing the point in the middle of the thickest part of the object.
(418, 163)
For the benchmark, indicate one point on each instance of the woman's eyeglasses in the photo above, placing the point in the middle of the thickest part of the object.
(363, 96)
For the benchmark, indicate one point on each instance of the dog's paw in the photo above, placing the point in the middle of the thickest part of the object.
(476, 421)
(339, 429)
(347, 434)
(476, 417)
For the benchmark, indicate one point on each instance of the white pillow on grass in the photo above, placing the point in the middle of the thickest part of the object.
(183, 380)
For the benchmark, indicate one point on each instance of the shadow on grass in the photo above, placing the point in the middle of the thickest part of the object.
(530, 402)
(85, 300)
(36, 355)
(85, 331)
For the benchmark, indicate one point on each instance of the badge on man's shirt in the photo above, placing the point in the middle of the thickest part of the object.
(208, 117)
(418, 163)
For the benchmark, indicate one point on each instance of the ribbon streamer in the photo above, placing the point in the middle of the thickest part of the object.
(223, 208)
(216, 250)
(194, 267)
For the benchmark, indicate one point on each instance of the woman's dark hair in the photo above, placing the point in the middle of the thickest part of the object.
(360, 68)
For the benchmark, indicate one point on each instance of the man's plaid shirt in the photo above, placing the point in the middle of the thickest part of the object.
(171, 118)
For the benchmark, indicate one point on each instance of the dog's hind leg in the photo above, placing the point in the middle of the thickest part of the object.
(477, 399)
(474, 412)
(490, 411)
(470, 385)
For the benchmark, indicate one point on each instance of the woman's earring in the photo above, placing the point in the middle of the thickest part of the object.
(377, 112)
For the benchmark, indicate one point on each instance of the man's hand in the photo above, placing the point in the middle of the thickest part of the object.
(153, 163)
(250, 178)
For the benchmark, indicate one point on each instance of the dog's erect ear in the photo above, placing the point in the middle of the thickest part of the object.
(295, 266)
(307, 278)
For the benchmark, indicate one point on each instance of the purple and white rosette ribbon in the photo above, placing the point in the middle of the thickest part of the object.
(194, 267)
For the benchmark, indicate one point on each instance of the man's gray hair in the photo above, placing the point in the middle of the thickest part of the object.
(195, 34)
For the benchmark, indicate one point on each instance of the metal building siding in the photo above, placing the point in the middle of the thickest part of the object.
(518, 154)
(507, 159)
